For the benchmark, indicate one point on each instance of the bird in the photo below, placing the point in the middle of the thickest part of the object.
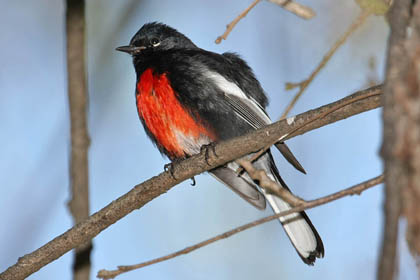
(188, 97)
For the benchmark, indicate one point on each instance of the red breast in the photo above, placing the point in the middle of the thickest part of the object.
(164, 115)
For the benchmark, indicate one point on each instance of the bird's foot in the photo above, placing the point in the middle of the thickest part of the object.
(170, 167)
(207, 148)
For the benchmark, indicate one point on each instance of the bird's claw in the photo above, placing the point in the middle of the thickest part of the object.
(193, 181)
(170, 167)
(207, 148)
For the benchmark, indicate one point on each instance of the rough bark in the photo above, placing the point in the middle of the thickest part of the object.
(401, 132)
(410, 103)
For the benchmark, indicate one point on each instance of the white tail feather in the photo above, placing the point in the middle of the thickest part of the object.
(299, 231)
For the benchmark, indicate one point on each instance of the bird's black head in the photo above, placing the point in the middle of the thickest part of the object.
(156, 37)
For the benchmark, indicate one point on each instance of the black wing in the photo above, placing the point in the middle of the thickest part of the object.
(251, 109)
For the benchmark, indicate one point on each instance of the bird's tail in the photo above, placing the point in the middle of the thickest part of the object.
(298, 227)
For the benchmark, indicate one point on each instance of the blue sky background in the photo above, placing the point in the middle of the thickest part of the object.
(280, 47)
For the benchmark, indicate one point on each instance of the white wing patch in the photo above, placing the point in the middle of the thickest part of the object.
(245, 107)
(225, 85)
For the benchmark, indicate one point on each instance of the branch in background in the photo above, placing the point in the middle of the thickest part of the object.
(296, 8)
(79, 180)
(401, 135)
(145, 192)
(357, 189)
(304, 84)
(231, 25)
(270, 186)
(411, 160)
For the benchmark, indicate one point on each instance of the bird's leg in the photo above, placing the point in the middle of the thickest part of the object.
(169, 167)
(211, 146)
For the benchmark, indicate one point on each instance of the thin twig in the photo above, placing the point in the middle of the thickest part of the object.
(289, 5)
(231, 25)
(79, 203)
(295, 8)
(304, 84)
(269, 185)
(143, 193)
(357, 189)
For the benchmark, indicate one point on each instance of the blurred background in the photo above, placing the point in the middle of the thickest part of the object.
(280, 47)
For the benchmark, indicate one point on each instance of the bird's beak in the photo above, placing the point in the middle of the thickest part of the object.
(131, 49)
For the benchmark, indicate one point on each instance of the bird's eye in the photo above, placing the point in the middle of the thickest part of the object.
(155, 42)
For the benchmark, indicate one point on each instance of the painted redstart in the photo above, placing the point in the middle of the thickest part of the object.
(188, 97)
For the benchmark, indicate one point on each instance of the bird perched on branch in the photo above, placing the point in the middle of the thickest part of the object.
(188, 97)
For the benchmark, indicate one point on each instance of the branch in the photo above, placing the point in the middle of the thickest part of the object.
(231, 25)
(79, 181)
(304, 84)
(269, 185)
(373, 91)
(411, 160)
(357, 189)
(152, 188)
(401, 133)
(296, 8)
